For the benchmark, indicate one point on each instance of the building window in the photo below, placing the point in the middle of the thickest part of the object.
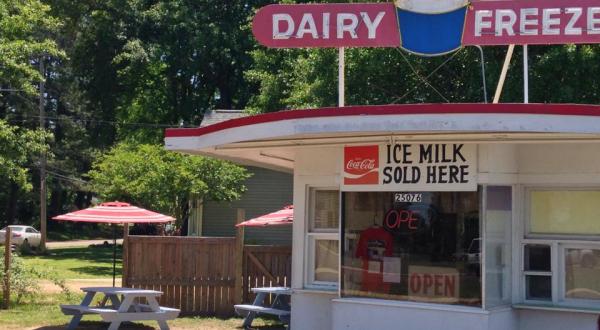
(415, 246)
(564, 212)
(538, 272)
(498, 245)
(561, 251)
(582, 270)
(323, 237)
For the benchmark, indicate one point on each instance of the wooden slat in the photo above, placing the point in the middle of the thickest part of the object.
(198, 275)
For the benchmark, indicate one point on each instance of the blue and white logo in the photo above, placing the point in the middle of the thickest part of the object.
(431, 28)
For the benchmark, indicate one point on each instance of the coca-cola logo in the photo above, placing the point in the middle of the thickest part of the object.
(361, 165)
(365, 164)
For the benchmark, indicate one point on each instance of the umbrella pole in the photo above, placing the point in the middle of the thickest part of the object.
(114, 253)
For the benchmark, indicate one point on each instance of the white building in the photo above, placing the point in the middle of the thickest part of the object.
(454, 216)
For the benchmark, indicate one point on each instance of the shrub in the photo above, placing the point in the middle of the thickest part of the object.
(24, 280)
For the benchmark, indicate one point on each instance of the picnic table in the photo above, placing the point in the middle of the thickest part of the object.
(125, 305)
(279, 306)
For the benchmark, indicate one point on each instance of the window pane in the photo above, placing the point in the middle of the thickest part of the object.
(326, 210)
(498, 215)
(565, 212)
(326, 260)
(537, 258)
(425, 250)
(582, 273)
(538, 287)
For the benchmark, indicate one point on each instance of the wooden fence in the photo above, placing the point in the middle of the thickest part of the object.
(198, 274)
(265, 266)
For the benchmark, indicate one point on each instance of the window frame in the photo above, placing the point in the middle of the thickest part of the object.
(480, 193)
(558, 244)
(562, 284)
(527, 223)
(311, 235)
(552, 273)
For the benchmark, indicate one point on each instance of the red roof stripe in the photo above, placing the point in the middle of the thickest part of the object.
(394, 109)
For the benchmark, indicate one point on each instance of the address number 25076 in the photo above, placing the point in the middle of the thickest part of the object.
(408, 198)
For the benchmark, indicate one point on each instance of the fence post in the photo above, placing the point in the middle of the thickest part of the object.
(7, 255)
(239, 257)
(125, 257)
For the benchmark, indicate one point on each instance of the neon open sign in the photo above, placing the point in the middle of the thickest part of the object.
(429, 27)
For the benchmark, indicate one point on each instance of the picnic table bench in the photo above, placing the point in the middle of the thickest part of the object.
(279, 307)
(125, 306)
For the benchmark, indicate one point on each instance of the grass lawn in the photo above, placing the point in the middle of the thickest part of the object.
(66, 231)
(77, 263)
(44, 313)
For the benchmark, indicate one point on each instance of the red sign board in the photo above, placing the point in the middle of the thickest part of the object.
(532, 22)
(422, 26)
(327, 25)
(361, 165)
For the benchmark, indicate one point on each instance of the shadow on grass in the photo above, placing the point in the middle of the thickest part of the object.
(97, 325)
(94, 253)
(100, 256)
(101, 271)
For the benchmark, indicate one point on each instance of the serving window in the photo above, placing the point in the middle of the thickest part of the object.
(561, 249)
(412, 246)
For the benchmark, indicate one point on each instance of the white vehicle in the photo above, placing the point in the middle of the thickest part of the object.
(22, 234)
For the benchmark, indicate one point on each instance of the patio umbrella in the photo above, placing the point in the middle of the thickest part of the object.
(115, 213)
(284, 216)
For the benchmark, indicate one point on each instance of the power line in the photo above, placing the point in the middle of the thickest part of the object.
(31, 118)
(66, 177)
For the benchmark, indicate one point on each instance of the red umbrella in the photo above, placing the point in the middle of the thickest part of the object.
(115, 213)
(284, 216)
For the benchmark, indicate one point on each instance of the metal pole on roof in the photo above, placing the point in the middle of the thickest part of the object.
(341, 77)
(482, 60)
(525, 74)
(502, 78)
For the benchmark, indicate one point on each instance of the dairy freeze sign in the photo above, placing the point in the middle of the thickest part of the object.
(429, 27)
(410, 167)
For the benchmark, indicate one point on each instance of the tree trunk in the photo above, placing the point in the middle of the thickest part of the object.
(11, 207)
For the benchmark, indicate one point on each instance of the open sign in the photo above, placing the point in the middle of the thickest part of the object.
(433, 282)
(398, 219)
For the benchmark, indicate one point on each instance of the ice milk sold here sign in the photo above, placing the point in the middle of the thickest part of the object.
(410, 167)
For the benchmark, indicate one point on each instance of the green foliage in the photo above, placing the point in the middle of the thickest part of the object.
(17, 149)
(25, 26)
(24, 279)
(152, 177)
(160, 62)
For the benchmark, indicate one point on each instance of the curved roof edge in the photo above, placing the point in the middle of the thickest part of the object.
(401, 109)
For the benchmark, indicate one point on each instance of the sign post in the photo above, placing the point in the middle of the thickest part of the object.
(341, 77)
(7, 255)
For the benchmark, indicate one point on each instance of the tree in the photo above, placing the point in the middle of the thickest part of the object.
(150, 176)
(24, 26)
(161, 62)
(19, 148)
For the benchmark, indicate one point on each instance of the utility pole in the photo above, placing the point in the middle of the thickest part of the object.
(42, 160)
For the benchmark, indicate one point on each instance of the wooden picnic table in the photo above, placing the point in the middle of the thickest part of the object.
(279, 306)
(125, 305)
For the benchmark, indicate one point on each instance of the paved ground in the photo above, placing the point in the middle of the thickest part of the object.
(79, 243)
